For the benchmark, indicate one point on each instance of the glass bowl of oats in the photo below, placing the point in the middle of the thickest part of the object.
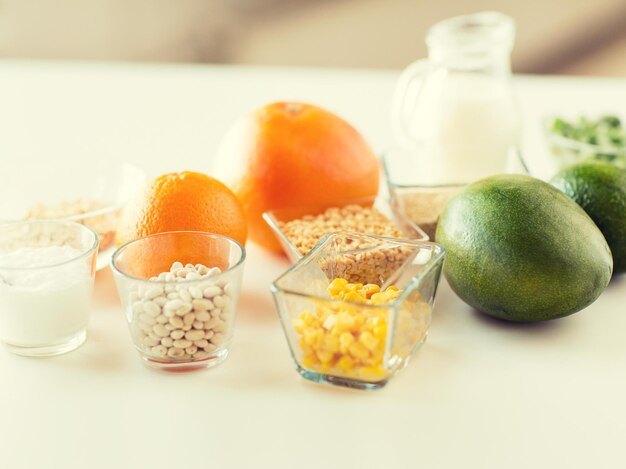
(89, 192)
(299, 229)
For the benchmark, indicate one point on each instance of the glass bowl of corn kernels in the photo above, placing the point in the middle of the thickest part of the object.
(354, 317)
(299, 229)
(88, 192)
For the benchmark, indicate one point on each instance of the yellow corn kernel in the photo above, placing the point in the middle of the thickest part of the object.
(345, 363)
(311, 336)
(353, 296)
(331, 343)
(308, 362)
(392, 288)
(368, 340)
(344, 322)
(324, 356)
(370, 289)
(357, 350)
(345, 340)
(337, 285)
(380, 331)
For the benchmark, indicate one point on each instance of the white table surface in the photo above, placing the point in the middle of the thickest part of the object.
(480, 393)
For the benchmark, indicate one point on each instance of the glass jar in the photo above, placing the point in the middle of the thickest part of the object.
(457, 109)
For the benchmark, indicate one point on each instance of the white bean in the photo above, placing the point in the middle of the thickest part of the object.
(221, 301)
(167, 341)
(159, 351)
(208, 334)
(144, 326)
(203, 316)
(185, 295)
(201, 343)
(153, 292)
(199, 355)
(161, 331)
(182, 343)
(162, 319)
(193, 276)
(176, 266)
(189, 319)
(190, 266)
(173, 305)
(210, 348)
(191, 350)
(228, 289)
(214, 271)
(177, 334)
(137, 307)
(217, 339)
(147, 319)
(194, 335)
(160, 301)
(173, 295)
(169, 327)
(195, 292)
(182, 273)
(184, 309)
(150, 341)
(198, 325)
(210, 292)
(175, 352)
(177, 322)
(187, 327)
(215, 312)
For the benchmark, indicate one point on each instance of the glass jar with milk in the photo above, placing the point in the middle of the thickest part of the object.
(455, 112)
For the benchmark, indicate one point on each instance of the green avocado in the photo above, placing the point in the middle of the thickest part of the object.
(600, 189)
(520, 250)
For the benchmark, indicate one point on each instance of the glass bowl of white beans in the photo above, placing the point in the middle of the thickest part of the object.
(179, 291)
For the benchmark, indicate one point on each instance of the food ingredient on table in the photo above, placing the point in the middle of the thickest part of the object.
(178, 202)
(104, 221)
(344, 339)
(174, 319)
(600, 189)
(304, 233)
(520, 250)
(42, 305)
(423, 206)
(289, 154)
(602, 139)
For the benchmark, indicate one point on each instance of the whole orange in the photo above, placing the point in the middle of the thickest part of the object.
(287, 155)
(185, 201)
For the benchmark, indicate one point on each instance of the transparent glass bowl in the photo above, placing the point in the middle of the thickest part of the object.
(567, 151)
(274, 217)
(47, 272)
(422, 202)
(84, 191)
(320, 330)
(180, 321)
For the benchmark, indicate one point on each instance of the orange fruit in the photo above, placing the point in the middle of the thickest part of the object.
(185, 201)
(288, 155)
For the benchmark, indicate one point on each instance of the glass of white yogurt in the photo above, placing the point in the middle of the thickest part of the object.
(47, 272)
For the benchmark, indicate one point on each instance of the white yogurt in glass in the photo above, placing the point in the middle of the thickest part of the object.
(45, 294)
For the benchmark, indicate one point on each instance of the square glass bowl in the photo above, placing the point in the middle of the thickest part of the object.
(180, 290)
(275, 218)
(349, 343)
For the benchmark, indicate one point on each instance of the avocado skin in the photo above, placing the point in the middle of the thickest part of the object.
(520, 250)
(600, 189)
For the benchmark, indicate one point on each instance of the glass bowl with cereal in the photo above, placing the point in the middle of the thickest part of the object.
(299, 229)
(88, 192)
(356, 308)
